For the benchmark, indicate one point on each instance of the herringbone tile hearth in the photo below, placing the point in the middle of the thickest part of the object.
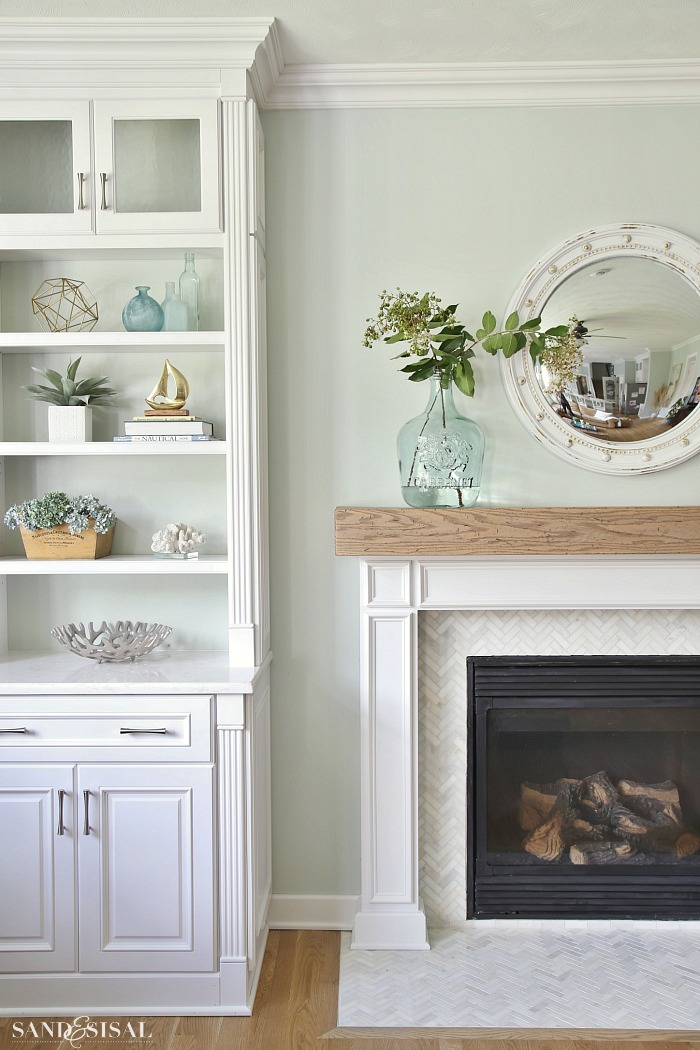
(491, 978)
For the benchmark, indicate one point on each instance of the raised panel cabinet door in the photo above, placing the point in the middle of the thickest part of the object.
(157, 165)
(46, 180)
(145, 868)
(37, 874)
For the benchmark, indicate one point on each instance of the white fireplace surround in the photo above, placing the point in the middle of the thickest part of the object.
(393, 592)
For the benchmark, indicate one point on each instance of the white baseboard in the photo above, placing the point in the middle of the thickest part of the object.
(297, 912)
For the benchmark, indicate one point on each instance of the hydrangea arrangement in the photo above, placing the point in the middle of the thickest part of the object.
(56, 508)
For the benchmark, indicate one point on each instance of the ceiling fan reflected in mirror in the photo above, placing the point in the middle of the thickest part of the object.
(583, 334)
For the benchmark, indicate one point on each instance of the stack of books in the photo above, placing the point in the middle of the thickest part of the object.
(167, 425)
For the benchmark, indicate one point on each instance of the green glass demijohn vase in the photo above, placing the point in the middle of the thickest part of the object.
(440, 452)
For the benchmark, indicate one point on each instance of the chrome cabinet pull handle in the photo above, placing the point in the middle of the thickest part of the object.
(103, 185)
(81, 183)
(86, 805)
(61, 829)
(20, 729)
(142, 732)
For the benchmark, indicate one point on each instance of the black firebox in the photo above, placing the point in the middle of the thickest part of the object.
(583, 793)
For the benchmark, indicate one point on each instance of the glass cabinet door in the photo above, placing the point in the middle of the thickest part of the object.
(157, 166)
(45, 181)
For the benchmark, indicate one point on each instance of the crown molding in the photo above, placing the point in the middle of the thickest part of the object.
(485, 84)
(208, 48)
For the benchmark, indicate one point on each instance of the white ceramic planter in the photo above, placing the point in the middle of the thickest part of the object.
(71, 423)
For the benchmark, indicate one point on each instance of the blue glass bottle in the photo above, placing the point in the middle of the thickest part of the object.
(440, 453)
(142, 314)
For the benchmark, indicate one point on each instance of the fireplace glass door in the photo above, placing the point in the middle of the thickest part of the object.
(584, 788)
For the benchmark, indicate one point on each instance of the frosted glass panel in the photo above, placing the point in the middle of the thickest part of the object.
(157, 165)
(36, 166)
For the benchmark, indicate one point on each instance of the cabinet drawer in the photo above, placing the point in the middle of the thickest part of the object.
(144, 728)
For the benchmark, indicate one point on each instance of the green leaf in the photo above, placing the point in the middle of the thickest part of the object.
(46, 394)
(399, 337)
(560, 329)
(404, 353)
(449, 347)
(510, 343)
(464, 378)
(480, 334)
(529, 326)
(488, 322)
(53, 377)
(493, 343)
(512, 321)
(418, 377)
(73, 368)
(414, 366)
(440, 337)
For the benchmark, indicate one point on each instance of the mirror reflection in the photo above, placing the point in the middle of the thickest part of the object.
(633, 367)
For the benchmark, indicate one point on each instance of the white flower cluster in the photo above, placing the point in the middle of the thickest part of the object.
(177, 538)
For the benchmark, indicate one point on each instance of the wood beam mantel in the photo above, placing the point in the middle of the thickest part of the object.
(409, 532)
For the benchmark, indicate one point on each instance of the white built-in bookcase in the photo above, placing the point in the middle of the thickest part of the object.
(198, 101)
(136, 796)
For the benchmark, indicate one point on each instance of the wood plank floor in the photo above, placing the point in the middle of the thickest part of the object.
(296, 1009)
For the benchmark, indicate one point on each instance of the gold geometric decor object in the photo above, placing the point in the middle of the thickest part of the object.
(61, 304)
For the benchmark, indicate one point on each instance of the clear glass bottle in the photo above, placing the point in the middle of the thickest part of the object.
(174, 310)
(189, 292)
(440, 453)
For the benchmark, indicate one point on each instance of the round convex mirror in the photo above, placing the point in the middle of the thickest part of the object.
(625, 397)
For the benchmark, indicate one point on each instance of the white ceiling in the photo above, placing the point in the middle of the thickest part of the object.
(628, 306)
(361, 31)
(434, 31)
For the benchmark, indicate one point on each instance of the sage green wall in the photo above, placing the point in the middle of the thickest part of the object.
(461, 202)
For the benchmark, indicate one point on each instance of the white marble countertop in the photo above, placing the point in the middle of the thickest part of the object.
(24, 673)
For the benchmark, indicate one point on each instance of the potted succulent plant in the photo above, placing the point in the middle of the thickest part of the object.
(70, 401)
(60, 526)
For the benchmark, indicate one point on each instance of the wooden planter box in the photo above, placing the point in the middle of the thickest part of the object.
(52, 544)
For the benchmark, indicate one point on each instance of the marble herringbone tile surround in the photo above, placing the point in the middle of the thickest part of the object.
(518, 975)
(445, 639)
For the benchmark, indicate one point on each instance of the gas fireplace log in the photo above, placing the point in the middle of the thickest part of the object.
(600, 852)
(602, 823)
(548, 841)
(686, 844)
(536, 801)
(659, 803)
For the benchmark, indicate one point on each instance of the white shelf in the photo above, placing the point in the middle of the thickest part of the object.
(113, 448)
(115, 565)
(162, 671)
(60, 342)
(58, 248)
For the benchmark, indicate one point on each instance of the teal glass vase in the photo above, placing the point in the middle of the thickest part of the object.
(142, 314)
(441, 453)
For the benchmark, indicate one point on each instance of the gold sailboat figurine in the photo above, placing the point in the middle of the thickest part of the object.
(182, 389)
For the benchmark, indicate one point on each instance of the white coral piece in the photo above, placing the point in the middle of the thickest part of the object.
(177, 538)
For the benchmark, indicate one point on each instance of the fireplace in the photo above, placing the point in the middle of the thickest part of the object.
(583, 793)
(520, 561)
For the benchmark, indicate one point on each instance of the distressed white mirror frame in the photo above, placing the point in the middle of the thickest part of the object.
(656, 243)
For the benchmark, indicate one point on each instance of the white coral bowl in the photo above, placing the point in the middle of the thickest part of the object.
(113, 642)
